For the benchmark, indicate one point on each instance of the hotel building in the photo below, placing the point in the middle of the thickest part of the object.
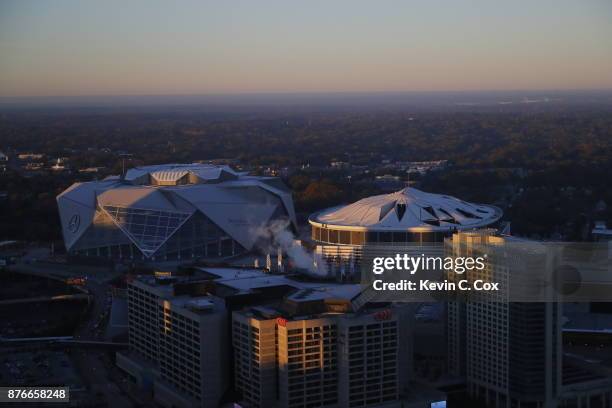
(326, 354)
(171, 349)
(510, 353)
(294, 341)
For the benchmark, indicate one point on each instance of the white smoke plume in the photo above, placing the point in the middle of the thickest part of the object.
(276, 235)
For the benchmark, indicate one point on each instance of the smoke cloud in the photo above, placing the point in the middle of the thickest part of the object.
(276, 234)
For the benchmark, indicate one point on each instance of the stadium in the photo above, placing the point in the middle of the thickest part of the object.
(172, 212)
(407, 218)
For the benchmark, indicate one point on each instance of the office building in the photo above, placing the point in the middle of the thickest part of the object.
(295, 341)
(326, 355)
(508, 352)
(171, 347)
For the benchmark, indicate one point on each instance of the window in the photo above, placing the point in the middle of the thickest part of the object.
(148, 228)
(345, 237)
(467, 214)
(400, 210)
(357, 238)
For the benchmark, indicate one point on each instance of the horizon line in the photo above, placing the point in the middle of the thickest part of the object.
(306, 93)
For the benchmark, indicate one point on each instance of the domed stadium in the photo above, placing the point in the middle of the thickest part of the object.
(408, 215)
(409, 218)
(171, 212)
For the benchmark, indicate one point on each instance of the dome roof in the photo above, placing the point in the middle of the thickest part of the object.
(408, 209)
(172, 174)
(147, 215)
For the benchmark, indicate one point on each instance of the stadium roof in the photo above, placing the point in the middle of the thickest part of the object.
(174, 172)
(236, 203)
(408, 209)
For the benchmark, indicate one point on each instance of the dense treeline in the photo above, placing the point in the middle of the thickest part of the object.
(469, 139)
(548, 169)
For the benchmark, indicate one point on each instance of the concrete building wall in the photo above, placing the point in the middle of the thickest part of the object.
(143, 319)
(374, 358)
(187, 363)
(508, 352)
(340, 360)
(255, 364)
(307, 362)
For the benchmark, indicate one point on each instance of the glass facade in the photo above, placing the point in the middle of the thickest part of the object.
(342, 237)
(148, 228)
(102, 229)
(197, 237)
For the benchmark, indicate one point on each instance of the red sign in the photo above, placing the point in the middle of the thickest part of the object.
(383, 315)
(281, 321)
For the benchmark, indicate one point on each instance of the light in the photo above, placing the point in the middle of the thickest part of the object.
(383, 315)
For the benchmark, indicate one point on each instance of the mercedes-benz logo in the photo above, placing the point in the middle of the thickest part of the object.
(74, 223)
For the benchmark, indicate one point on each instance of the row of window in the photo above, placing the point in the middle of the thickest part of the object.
(333, 236)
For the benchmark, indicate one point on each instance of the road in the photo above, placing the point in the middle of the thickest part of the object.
(41, 299)
(93, 365)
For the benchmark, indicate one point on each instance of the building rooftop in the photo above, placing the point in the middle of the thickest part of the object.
(339, 291)
(151, 203)
(199, 305)
(408, 210)
(601, 229)
(249, 281)
(175, 174)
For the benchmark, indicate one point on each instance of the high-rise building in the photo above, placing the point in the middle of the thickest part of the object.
(172, 212)
(316, 350)
(171, 348)
(510, 353)
(254, 340)
(295, 341)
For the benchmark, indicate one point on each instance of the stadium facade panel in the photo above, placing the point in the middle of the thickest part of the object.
(172, 211)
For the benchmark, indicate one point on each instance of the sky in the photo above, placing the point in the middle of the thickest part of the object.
(151, 47)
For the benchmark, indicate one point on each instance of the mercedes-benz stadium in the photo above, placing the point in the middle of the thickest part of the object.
(172, 212)
(408, 218)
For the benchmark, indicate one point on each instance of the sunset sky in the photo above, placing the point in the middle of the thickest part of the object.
(110, 47)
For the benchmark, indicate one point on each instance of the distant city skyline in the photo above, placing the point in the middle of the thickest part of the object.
(72, 48)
